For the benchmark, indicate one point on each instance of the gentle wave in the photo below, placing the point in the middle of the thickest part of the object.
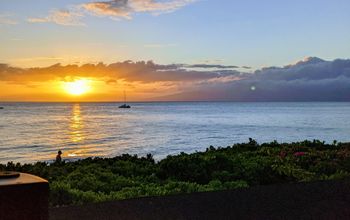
(36, 131)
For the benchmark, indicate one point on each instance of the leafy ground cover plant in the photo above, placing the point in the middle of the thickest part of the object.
(241, 165)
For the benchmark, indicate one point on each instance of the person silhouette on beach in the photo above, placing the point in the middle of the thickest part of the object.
(58, 157)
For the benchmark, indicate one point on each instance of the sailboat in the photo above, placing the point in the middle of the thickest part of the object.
(124, 105)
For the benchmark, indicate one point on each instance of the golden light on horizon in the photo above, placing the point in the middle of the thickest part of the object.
(77, 87)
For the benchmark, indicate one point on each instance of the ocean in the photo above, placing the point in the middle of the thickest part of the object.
(32, 132)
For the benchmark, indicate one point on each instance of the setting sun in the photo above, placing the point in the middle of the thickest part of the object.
(77, 87)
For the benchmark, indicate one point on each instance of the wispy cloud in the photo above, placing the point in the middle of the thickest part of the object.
(16, 39)
(6, 19)
(157, 7)
(61, 17)
(118, 8)
(38, 59)
(126, 8)
(159, 45)
(114, 9)
(246, 67)
(214, 66)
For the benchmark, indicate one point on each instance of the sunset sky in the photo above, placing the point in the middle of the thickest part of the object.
(160, 49)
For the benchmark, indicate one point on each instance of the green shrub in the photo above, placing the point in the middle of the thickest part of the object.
(238, 166)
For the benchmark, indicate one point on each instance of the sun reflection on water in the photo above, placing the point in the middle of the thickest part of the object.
(79, 134)
(76, 131)
(76, 125)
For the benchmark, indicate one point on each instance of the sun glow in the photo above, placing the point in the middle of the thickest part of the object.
(77, 87)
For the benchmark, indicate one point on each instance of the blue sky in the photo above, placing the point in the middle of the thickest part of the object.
(245, 32)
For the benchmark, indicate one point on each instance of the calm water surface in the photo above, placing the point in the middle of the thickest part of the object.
(35, 131)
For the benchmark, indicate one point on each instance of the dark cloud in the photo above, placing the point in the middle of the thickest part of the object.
(142, 71)
(212, 66)
(246, 67)
(309, 69)
(312, 79)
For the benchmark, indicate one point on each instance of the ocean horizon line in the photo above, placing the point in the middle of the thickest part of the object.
(194, 101)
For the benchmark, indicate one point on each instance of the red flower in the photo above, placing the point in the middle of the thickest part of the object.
(298, 154)
(283, 154)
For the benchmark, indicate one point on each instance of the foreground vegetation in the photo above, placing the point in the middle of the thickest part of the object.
(241, 165)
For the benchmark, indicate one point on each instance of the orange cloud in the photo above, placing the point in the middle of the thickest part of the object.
(61, 17)
(125, 8)
(146, 72)
(143, 80)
